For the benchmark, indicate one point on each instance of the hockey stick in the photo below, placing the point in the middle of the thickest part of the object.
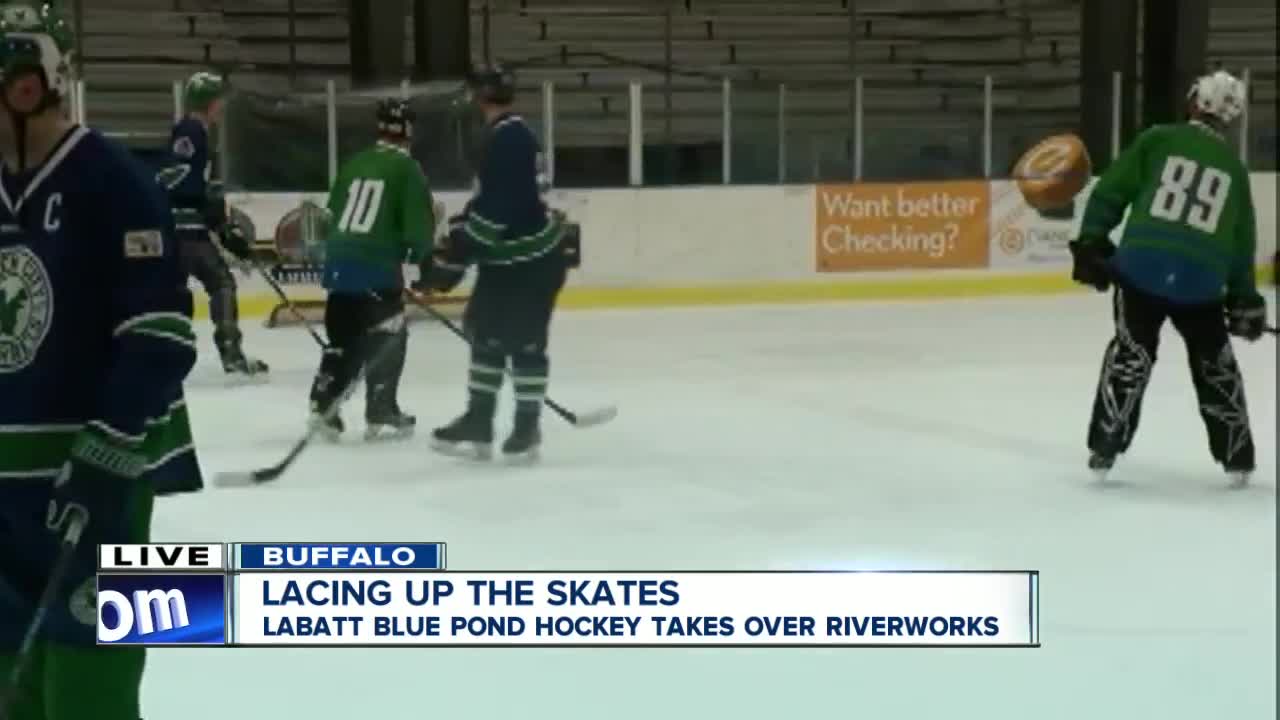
(273, 472)
(590, 418)
(75, 527)
(1271, 330)
(293, 309)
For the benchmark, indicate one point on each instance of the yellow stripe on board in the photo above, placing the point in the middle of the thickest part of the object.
(865, 288)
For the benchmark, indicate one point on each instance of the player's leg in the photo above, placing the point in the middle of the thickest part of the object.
(344, 324)
(81, 679)
(224, 311)
(20, 585)
(528, 330)
(387, 343)
(68, 677)
(91, 682)
(204, 260)
(471, 435)
(28, 701)
(1126, 369)
(1219, 387)
(195, 252)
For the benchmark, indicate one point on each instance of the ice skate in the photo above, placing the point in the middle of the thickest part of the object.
(522, 446)
(1101, 465)
(241, 367)
(330, 429)
(469, 437)
(394, 425)
(1239, 475)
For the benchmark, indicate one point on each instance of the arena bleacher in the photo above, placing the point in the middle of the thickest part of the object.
(922, 70)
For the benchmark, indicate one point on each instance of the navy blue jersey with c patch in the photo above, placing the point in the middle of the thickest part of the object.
(95, 314)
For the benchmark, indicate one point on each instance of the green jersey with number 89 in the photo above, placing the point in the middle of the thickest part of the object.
(381, 217)
(1191, 236)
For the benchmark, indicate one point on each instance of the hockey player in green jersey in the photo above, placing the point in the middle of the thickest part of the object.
(1186, 255)
(382, 218)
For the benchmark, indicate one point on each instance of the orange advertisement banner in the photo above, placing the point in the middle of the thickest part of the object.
(902, 226)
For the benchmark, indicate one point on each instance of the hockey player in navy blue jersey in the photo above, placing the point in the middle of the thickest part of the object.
(519, 247)
(95, 342)
(200, 209)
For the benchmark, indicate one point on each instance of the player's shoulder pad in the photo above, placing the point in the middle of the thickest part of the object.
(183, 147)
(414, 168)
(513, 127)
(187, 135)
(131, 198)
(1160, 131)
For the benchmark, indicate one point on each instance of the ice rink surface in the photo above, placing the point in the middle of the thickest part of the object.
(871, 435)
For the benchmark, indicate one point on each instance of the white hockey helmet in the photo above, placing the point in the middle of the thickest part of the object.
(1219, 95)
(36, 39)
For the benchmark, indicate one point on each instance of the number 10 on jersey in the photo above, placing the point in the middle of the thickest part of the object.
(364, 199)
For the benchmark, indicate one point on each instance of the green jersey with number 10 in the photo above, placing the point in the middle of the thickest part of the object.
(1191, 235)
(380, 218)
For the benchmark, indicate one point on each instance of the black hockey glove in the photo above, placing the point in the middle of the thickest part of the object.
(235, 242)
(1091, 262)
(1246, 316)
(572, 245)
(93, 487)
(439, 275)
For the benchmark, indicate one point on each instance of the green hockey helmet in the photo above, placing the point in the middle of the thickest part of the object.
(35, 56)
(202, 89)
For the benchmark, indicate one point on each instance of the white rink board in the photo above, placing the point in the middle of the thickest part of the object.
(653, 237)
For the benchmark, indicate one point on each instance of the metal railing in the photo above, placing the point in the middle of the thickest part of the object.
(760, 136)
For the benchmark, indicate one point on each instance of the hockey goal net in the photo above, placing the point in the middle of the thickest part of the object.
(297, 263)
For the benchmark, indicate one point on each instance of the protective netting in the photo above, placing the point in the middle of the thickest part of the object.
(281, 142)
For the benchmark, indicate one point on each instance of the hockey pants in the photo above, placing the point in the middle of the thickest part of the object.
(1130, 357)
(508, 319)
(366, 332)
(203, 260)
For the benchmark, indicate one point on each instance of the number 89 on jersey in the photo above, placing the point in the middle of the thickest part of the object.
(162, 595)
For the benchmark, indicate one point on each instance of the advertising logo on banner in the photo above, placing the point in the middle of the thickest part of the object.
(892, 226)
(1022, 237)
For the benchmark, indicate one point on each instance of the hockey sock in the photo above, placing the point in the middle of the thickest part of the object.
(27, 701)
(529, 374)
(65, 682)
(1220, 391)
(484, 381)
(92, 682)
(386, 356)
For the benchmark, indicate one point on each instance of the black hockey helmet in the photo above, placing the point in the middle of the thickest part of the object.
(395, 118)
(492, 84)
